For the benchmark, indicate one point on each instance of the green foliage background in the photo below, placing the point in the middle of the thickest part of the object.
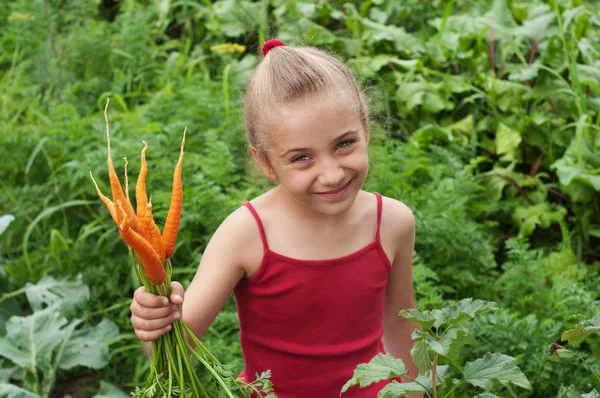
(485, 117)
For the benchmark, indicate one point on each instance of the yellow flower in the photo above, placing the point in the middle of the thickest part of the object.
(20, 16)
(228, 48)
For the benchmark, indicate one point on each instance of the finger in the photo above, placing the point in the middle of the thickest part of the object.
(177, 293)
(151, 312)
(145, 335)
(146, 299)
(153, 325)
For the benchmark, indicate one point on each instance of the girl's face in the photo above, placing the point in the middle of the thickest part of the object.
(319, 154)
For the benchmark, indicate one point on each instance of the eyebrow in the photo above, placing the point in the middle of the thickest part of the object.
(338, 138)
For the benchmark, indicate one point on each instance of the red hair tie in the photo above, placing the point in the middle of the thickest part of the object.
(269, 44)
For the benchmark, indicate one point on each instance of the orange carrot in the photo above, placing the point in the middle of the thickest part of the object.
(154, 233)
(109, 204)
(150, 261)
(115, 185)
(171, 228)
(141, 198)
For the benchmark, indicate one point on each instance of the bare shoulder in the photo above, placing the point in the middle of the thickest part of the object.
(397, 215)
(397, 227)
(239, 239)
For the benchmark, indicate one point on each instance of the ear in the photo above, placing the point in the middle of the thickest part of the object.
(263, 164)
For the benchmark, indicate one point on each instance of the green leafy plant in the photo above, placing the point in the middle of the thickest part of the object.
(442, 337)
(584, 329)
(47, 341)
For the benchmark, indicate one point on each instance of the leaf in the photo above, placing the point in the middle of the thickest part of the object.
(507, 141)
(583, 329)
(467, 309)
(426, 319)
(31, 340)
(39, 340)
(47, 212)
(89, 346)
(536, 27)
(481, 372)
(12, 391)
(235, 17)
(395, 389)
(6, 373)
(451, 342)
(571, 392)
(580, 165)
(5, 221)
(486, 395)
(420, 356)
(108, 390)
(524, 73)
(370, 66)
(381, 367)
(542, 214)
(63, 294)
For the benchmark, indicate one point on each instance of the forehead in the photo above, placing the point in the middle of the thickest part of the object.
(316, 119)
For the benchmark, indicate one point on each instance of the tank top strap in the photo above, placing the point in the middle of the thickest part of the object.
(259, 223)
(379, 211)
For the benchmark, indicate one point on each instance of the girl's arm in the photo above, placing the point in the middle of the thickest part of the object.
(399, 291)
(231, 248)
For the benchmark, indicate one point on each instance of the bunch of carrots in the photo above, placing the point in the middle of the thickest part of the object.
(171, 373)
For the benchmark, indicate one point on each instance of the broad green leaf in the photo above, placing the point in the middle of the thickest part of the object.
(6, 373)
(305, 29)
(558, 352)
(381, 367)
(369, 66)
(583, 329)
(523, 73)
(88, 346)
(571, 392)
(12, 391)
(403, 42)
(451, 342)
(464, 126)
(32, 340)
(395, 389)
(46, 336)
(63, 294)
(235, 17)
(542, 215)
(537, 27)
(108, 390)
(426, 319)
(420, 356)
(498, 367)
(5, 221)
(580, 165)
(467, 309)
(486, 395)
(507, 141)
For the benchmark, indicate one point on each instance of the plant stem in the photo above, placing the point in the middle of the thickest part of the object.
(434, 374)
(588, 366)
(454, 388)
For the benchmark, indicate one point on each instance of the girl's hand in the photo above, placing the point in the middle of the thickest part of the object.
(152, 315)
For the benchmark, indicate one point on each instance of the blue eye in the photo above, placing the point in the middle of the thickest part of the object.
(299, 158)
(345, 144)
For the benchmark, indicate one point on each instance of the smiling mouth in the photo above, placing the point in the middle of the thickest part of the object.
(340, 189)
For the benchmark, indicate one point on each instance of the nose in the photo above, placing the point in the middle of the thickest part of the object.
(331, 173)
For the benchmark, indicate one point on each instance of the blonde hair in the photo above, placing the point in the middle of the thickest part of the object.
(289, 74)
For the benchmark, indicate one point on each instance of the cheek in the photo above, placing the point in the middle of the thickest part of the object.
(298, 179)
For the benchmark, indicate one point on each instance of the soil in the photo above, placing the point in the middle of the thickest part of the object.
(84, 386)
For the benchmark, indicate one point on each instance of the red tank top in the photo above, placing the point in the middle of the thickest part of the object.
(312, 321)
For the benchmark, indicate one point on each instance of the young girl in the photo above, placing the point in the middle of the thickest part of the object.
(319, 267)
